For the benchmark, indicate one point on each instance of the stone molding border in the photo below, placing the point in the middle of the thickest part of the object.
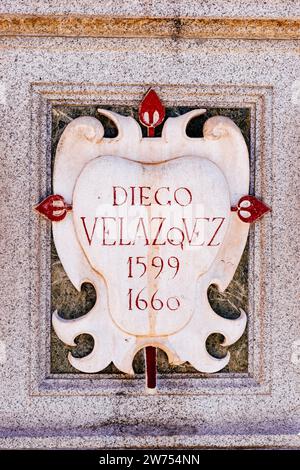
(259, 410)
(155, 27)
(256, 381)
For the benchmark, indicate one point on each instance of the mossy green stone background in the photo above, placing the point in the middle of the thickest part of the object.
(72, 304)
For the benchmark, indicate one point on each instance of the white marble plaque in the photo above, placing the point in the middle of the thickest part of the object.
(151, 228)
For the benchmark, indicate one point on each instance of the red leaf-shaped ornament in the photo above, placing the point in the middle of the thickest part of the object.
(152, 111)
(54, 208)
(250, 209)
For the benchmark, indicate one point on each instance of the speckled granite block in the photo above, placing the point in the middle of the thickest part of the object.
(259, 407)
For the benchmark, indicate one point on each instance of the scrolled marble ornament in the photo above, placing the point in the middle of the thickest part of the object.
(154, 223)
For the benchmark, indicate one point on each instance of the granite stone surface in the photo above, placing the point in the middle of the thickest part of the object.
(169, 8)
(259, 408)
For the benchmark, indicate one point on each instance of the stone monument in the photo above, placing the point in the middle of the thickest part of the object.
(149, 224)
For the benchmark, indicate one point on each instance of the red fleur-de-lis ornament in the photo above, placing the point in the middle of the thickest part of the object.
(54, 208)
(250, 209)
(151, 111)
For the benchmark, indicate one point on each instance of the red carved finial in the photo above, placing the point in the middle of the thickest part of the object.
(54, 208)
(151, 111)
(250, 209)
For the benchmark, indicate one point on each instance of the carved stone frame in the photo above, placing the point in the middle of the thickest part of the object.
(214, 55)
(259, 100)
